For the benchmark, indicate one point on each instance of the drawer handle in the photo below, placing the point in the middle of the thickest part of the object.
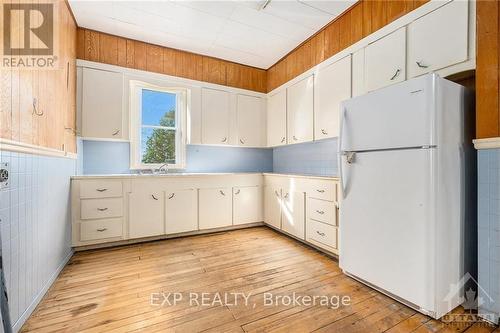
(421, 65)
(322, 234)
(396, 74)
(237, 192)
(321, 191)
(320, 212)
(282, 139)
(222, 192)
(242, 142)
(102, 229)
(152, 195)
(101, 189)
(171, 196)
(102, 209)
(224, 139)
(324, 132)
(116, 132)
(277, 193)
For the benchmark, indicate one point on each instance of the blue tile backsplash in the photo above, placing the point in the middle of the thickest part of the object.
(315, 158)
(489, 231)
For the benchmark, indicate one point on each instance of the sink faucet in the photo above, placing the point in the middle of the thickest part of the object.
(162, 168)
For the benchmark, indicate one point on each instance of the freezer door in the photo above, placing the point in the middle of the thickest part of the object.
(386, 231)
(398, 116)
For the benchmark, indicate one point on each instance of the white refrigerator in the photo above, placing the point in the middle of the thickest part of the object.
(408, 209)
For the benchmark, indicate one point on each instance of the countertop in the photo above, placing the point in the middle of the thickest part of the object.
(196, 174)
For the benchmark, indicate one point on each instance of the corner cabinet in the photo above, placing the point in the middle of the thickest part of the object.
(215, 116)
(300, 106)
(438, 39)
(247, 204)
(385, 60)
(102, 104)
(276, 119)
(251, 121)
(332, 85)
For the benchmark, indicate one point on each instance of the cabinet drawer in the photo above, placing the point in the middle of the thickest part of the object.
(320, 210)
(322, 189)
(101, 208)
(322, 233)
(100, 189)
(100, 229)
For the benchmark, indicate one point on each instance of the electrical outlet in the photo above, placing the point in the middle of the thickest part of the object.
(4, 175)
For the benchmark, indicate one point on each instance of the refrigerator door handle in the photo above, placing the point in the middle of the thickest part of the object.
(341, 153)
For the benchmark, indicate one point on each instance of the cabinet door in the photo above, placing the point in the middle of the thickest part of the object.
(272, 206)
(358, 73)
(214, 116)
(385, 60)
(332, 85)
(146, 212)
(438, 39)
(300, 101)
(102, 108)
(181, 211)
(215, 208)
(251, 121)
(247, 204)
(276, 119)
(293, 213)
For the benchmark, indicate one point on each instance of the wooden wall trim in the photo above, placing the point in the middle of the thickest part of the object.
(357, 22)
(114, 50)
(487, 69)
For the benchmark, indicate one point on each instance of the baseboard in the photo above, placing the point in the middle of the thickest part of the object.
(20, 322)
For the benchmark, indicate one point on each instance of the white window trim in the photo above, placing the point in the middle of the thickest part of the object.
(182, 104)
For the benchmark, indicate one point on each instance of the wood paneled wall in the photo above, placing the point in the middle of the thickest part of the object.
(487, 69)
(114, 50)
(360, 20)
(52, 92)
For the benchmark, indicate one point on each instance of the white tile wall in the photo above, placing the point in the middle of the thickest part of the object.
(35, 227)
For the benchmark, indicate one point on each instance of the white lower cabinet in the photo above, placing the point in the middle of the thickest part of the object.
(181, 213)
(247, 204)
(146, 212)
(272, 206)
(215, 207)
(293, 213)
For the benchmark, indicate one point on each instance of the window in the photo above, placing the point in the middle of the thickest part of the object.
(156, 126)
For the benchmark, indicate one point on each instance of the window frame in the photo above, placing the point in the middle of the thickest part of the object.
(136, 125)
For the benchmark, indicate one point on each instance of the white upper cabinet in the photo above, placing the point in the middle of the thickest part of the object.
(438, 39)
(215, 116)
(385, 60)
(251, 121)
(332, 85)
(300, 105)
(102, 104)
(180, 215)
(358, 73)
(276, 119)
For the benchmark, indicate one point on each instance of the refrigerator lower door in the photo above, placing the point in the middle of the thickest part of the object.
(386, 232)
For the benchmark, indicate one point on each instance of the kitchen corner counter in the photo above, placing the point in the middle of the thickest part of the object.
(168, 175)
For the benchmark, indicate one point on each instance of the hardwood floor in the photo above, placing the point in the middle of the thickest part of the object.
(120, 290)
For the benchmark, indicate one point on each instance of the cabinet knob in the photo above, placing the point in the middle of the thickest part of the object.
(116, 132)
(153, 196)
(283, 140)
(222, 192)
(171, 196)
(421, 64)
(102, 209)
(295, 138)
(320, 191)
(237, 191)
(224, 139)
(324, 132)
(102, 229)
(286, 195)
(396, 74)
(242, 142)
(320, 212)
(322, 234)
(277, 193)
(101, 189)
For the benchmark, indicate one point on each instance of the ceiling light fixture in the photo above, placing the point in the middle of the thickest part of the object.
(265, 4)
